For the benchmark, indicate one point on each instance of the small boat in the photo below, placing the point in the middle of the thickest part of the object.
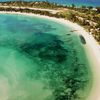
(83, 41)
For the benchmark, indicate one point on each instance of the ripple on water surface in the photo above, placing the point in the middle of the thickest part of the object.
(39, 61)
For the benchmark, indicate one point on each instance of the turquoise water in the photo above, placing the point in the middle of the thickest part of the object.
(41, 60)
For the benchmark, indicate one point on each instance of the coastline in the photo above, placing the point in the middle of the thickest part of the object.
(91, 47)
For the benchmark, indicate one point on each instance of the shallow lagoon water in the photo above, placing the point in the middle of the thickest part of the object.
(41, 60)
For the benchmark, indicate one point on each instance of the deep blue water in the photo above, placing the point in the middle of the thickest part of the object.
(69, 2)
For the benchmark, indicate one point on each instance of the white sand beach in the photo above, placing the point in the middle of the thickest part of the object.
(41, 9)
(92, 50)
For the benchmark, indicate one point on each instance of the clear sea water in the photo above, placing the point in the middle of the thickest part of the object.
(69, 2)
(41, 60)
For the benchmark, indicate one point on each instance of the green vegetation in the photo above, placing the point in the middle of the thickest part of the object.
(67, 84)
(38, 4)
(87, 16)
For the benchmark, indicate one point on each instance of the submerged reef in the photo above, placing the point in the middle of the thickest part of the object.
(50, 50)
(57, 61)
(65, 78)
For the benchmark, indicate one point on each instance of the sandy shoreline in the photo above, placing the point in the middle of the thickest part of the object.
(92, 48)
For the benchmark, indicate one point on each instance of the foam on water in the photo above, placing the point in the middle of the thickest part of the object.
(41, 60)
